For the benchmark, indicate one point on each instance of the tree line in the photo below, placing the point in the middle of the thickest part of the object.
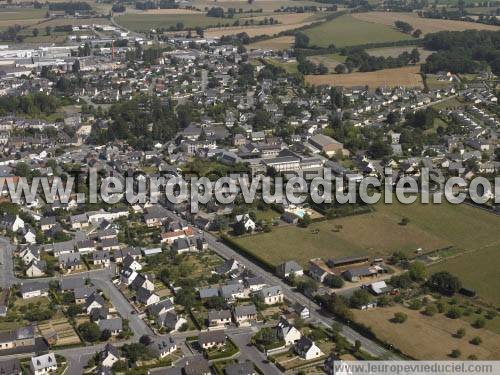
(71, 7)
(463, 51)
(30, 105)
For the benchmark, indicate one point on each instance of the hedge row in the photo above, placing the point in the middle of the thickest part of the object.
(248, 254)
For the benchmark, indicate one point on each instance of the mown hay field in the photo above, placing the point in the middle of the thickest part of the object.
(427, 25)
(408, 76)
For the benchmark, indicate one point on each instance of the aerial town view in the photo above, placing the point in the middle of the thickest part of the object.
(248, 187)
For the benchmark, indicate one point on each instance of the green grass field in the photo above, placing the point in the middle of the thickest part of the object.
(348, 31)
(375, 234)
(22, 17)
(473, 233)
(13, 14)
(142, 22)
(266, 6)
(146, 22)
(478, 270)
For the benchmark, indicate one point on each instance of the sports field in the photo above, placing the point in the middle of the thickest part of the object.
(426, 25)
(408, 76)
(349, 31)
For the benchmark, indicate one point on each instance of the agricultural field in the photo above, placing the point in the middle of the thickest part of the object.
(408, 76)
(255, 30)
(349, 31)
(143, 22)
(396, 51)
(330, 60)
(427, 25)
(290, 67)
(166, 18)
(375, 234)
(280, 43)
(265, 5)
(476, 269)
(380, 234)
(433, 83)
(436, 332)
(22, 17)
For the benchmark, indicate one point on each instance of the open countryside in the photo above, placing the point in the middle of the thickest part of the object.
(426, 25)
(349, 31)
(408, 76)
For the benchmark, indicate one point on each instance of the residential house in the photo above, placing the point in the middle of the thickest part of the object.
(17, 338)
(71, 283)
(183, 245)
(30, 290)
(318, 270)
(113, 325)
(82, 293)
(302, 311)
(219, 318)
(170, 320)
(244, 314)
(146, 297)
(10, 367)
(196, 365)
(30, 254)
(307, 349)
(212, 339)
(254, 283)
(11, 223)
(70, 261)
(228, 266)
(85, 246)
(285, 269)
(247, 222)
(271, 295)
(233, 291)
(208, 293)
(94, 301)
(101, 258)
(287, 332)
(43, 364)
(142, 281)
(127, 276)
(47, 223)
(109, 356)
(163, 346)
(37, 268)
(109, 244)
(160, 307)
(131, 263)
(79, 221)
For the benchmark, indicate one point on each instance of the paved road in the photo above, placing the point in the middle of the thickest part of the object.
(351, 335)
(122, 305)
(7, 277)
(250, 352)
